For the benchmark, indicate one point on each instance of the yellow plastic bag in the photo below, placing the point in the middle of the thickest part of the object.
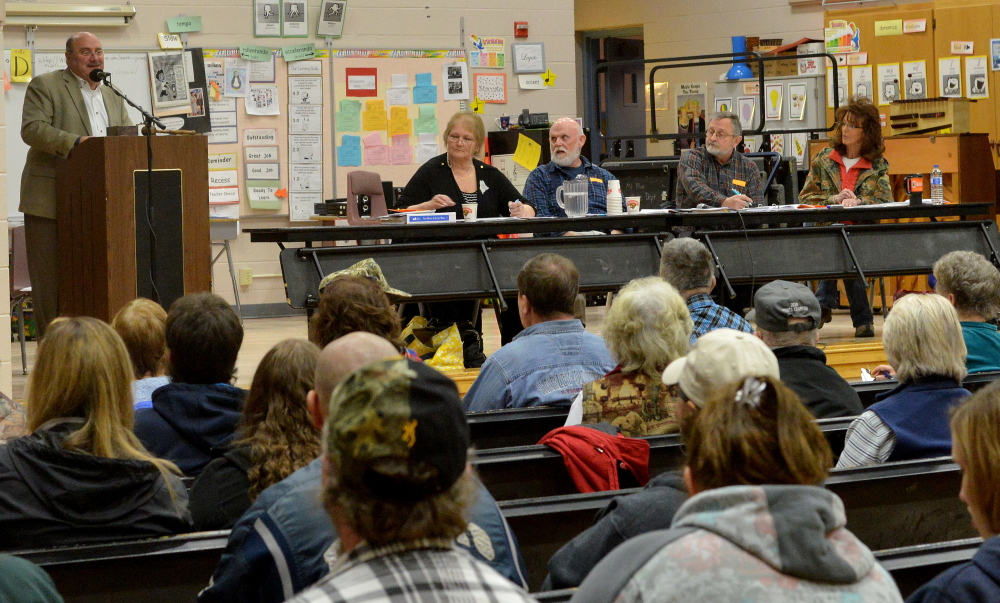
(441, 349)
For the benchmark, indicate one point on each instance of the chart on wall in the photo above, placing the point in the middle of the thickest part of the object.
(390, 111)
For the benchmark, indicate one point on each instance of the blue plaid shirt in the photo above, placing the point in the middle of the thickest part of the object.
(540, 188)
(709, 316)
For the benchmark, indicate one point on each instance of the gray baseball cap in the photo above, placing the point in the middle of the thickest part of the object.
(778, 301)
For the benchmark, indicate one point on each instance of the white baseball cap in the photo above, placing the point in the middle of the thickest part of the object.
(717, 360)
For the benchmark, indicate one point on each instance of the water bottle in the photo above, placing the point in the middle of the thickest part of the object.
(937, 186)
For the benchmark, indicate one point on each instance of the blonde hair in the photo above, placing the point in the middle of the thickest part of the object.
(774, 440)
(975, 435)
(648, 326)
(474, 123)
(82, 370)
(922, 337)
(142, 325)
(972, 279)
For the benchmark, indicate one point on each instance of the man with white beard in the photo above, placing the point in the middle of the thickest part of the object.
(716, 174)
(566, 140)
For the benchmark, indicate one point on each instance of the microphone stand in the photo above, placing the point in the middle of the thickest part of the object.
(148, 131)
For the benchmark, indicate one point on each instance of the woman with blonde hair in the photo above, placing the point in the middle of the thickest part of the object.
(758, 526)
(275, 437)
(924, 346)
(142, 325)
(82, 476)
(975, 445)
(647, 327)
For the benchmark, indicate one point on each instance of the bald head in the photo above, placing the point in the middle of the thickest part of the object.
(345, 355)
(566, 141)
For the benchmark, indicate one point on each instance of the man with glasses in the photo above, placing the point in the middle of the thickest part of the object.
(61, 110)
(717, 175)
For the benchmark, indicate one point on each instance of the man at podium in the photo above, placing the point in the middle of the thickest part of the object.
(61, 110)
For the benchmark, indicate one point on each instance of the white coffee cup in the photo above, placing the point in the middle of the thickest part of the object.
(632, 204)
(470, 211)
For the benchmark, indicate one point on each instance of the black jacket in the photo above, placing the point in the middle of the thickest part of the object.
(219, 496)
(435, 178)
(187, 422)
(50, 496)
(825, 393)
(625, 517)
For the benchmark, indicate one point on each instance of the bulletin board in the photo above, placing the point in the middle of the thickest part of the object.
(248, 152)
(129, 73)
(386, 64)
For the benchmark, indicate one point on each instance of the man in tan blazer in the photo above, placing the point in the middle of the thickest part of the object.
(61, 110)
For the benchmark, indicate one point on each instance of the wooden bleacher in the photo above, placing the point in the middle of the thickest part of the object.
(889, 506)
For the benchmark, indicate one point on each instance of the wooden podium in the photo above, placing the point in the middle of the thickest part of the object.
(111, 250)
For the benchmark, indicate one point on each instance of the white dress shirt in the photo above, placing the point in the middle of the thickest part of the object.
(96, 110)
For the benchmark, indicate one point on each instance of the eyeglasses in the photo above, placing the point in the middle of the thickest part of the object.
(87, 53)
(717, 134)
(846, 126)
(456, 139)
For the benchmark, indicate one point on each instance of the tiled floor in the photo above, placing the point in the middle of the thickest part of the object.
(262, 333)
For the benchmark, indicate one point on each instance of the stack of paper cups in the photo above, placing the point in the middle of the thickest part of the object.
(614, 199)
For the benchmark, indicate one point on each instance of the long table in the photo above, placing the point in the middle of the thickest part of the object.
(653, 220)
(485, 268)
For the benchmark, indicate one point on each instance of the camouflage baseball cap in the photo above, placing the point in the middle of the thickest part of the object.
(397, 409)
(367, 268)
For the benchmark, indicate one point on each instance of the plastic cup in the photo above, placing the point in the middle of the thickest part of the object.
(469, 211)
(632, 204)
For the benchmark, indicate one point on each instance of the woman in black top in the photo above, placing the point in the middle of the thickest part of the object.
(448, 181)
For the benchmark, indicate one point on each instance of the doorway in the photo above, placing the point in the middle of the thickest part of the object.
(619, 108)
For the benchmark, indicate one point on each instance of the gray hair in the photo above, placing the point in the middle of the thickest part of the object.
(732, 117)
(972, 279)
(687, 264)
(784, 339)
(648, 326)
(922, 337)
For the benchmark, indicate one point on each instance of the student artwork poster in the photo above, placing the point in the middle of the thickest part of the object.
(170, 83)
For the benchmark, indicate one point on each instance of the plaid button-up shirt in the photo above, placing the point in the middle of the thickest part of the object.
(540, 188)
(702, 179)
(423, 571)
(709, 316)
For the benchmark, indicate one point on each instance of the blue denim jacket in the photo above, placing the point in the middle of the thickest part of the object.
(546, 364)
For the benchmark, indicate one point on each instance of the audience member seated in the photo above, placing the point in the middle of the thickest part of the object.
(199, 410)
(719, 358)
(689, 266)
(646, 328)
(550, 360)
(142, 325)
(22, 581)
(975, 442)
(276, 437)
(788, 319)
(759, 526)
(277, 548)
(972, 284)
(352, 303)
(923, 343)
(13, 419)
(82, 476)
(398, 484)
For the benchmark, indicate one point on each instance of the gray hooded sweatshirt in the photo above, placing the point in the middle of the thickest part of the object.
(770, 544)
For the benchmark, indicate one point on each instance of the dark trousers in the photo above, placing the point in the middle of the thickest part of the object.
(857, 295)
(41, 241)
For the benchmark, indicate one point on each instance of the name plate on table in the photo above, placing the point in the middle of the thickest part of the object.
(429, 218)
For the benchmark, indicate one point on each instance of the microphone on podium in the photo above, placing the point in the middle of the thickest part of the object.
(99, 76)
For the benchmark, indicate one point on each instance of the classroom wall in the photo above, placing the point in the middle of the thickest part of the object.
(697, 27)
(6, 381)
(373, 24)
